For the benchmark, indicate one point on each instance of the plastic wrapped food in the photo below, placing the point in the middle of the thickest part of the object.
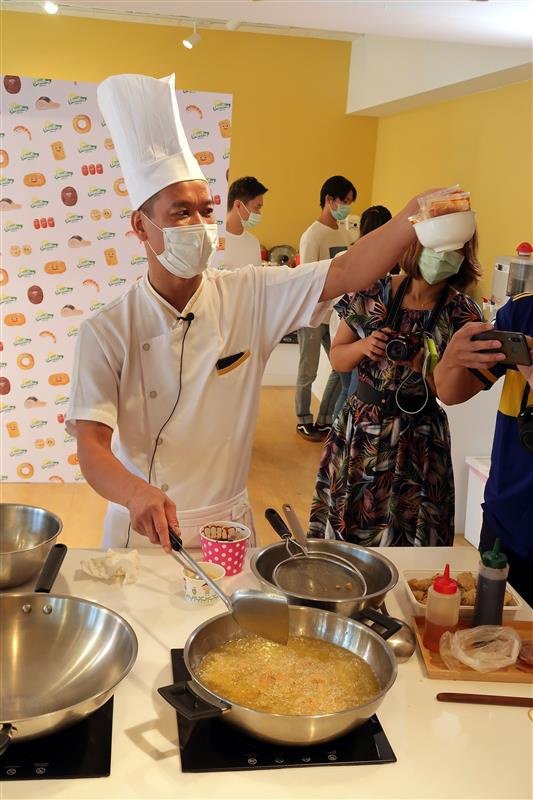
(445, 201)
(484, 649)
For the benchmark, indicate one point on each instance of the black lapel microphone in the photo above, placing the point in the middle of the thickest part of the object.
(188, 318)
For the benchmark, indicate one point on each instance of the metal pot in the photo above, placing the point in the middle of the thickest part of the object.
(379, 573)
(60, 659)
(193, 700)
(27, 534)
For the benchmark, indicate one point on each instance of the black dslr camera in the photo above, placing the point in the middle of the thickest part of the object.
(403, 346)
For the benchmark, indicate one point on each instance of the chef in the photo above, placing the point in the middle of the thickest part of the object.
(166, 381)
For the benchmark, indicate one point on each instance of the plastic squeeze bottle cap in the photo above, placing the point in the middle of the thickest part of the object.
(494, 558)
(443, 584)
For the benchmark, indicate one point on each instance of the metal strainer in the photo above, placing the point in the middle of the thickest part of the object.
(314, 575)
(318, 577)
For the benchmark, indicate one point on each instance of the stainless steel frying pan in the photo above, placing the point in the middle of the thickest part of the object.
(60, 658)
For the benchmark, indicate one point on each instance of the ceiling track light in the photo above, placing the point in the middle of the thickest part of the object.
(50, 8)
(192, 40)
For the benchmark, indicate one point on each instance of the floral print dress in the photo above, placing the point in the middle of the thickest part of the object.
(386, 478)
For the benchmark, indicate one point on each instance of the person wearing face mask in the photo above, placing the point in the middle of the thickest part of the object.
(324, 238)
(166, 379)
(385, 476)
(245, 203)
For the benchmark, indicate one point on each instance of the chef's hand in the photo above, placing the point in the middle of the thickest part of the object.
(413, 207)
(152, 513)
(461, 351)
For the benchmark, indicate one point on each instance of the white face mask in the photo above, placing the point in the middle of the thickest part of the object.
(189, 249)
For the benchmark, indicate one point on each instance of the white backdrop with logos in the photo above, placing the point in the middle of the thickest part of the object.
(67, 249)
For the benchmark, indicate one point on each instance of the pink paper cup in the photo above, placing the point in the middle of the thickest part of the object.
(225, 543)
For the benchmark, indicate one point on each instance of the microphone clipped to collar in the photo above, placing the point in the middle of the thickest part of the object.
(188, 318)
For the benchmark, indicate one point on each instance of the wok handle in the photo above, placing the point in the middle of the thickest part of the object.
(50, 569)
(390, 626)
(6, 736)
(188, 704)
(277, 524)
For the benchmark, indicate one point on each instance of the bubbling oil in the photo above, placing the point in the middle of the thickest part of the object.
(305, 676)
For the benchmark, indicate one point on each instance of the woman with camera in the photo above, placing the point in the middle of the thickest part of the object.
(385, 476)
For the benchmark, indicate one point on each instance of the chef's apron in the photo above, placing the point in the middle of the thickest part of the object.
(118, 533)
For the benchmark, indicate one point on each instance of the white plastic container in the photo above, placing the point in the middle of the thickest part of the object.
(465, 611)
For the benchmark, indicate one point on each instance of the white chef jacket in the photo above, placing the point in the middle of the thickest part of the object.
(127, 376)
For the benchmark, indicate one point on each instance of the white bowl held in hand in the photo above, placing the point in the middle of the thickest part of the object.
(449, 232)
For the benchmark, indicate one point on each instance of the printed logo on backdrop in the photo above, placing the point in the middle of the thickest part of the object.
(69, 250)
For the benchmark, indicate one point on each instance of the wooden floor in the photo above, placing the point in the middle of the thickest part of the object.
(283, 470)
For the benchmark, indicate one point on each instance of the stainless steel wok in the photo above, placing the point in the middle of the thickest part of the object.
(60, 659)
(27, 534)
(379, 573)
(195, 701)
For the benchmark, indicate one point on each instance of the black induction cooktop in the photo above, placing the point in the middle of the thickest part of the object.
(82, 750)
(212, 745)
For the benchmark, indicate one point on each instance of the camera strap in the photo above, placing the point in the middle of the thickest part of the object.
(396, 307)
(525, 422)
(430, 355)
(525, 395)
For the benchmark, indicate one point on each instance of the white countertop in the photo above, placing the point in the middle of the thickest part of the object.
(444, 750)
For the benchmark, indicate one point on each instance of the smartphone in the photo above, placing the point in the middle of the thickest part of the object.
(514, 346)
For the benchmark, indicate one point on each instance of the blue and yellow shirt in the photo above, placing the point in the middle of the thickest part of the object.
(508, 505)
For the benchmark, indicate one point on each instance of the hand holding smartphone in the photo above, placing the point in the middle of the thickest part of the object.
(513, 345)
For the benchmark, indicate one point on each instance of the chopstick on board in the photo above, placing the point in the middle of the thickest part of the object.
(485, 699)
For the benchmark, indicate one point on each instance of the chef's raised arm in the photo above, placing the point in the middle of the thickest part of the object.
(300, 297)
(372, 256)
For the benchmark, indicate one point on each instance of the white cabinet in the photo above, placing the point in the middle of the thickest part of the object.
(472, 430)
(478, 472)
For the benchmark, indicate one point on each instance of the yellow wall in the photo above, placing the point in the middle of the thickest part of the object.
(485, 143)
(289, 122)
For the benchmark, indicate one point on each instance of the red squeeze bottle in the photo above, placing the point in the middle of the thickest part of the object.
(442, 609)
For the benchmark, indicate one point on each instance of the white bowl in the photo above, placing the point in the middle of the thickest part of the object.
(449, 232)
(464, 611)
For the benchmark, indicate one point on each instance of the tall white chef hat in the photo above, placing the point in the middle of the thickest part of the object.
(143, 119)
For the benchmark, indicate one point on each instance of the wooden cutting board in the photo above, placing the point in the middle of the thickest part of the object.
(436, 668)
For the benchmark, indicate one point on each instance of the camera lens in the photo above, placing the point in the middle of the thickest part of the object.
(396, 350)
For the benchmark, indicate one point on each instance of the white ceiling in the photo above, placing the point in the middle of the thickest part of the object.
(489, 22)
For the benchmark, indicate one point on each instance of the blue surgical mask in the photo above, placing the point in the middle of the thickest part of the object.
(435, 267)
(341, 212)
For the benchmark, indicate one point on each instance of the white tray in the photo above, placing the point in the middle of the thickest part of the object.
(464, 611)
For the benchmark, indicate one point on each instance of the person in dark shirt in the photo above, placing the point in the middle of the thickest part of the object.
(465, 370)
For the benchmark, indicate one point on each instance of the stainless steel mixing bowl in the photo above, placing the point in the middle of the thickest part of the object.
(27, 533)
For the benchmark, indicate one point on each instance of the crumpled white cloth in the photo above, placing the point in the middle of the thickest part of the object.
(114, 564)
